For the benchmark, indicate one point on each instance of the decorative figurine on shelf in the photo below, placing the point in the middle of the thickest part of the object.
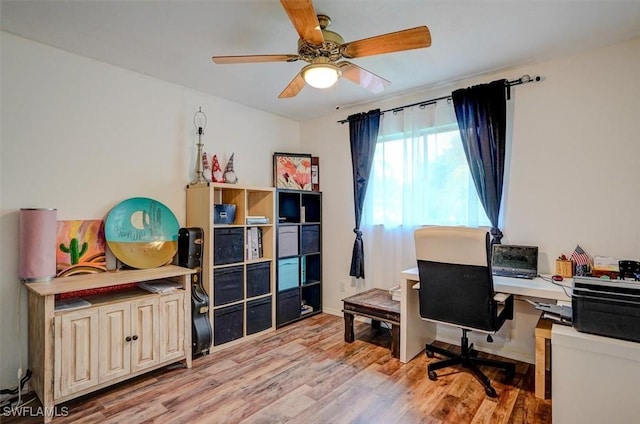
(229, 174)
(200, 122)
(216, 171)
(206, 168)
(581, 261)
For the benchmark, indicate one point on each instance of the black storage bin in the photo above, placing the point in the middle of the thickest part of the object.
(228, 245)
(310, 239)
(258, 315)
(288, 306)
(227, 324)
(258, 279)
(228, 285)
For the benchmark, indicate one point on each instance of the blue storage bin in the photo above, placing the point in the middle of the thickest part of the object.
(224, 214)
(288, 273)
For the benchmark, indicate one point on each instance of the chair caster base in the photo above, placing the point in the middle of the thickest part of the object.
(491, 392)
(432, 375)
(510, 375)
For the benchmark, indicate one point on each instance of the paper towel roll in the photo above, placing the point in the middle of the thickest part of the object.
(37, 244)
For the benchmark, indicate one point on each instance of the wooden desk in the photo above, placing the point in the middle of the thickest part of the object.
(377, 305)
(415, 332)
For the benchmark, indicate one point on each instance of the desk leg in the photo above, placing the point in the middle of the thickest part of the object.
(415, 333)
(395, 341)
(349, 336)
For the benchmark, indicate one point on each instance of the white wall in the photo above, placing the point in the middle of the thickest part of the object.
(573, 173)
(81, 136)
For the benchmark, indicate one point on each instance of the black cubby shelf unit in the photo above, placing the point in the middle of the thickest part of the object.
(298, 255)
(238, 258)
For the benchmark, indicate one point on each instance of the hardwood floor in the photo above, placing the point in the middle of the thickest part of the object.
(305, 373)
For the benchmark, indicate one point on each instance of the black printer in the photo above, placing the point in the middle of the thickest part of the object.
(608, 308)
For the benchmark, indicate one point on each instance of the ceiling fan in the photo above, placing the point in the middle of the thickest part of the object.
(323, 50)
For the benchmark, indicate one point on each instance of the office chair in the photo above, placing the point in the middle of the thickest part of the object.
(456, 288)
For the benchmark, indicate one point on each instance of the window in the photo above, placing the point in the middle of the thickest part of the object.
(420, 174)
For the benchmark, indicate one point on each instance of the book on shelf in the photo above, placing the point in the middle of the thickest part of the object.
(254, 242)
(71, 304)
(162, 287)
(256, 219)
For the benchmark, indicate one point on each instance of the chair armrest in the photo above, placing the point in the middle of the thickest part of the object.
(507, 303)
(500, 297)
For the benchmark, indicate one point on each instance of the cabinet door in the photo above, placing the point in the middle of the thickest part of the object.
(76, 351)
(144, 333)
(115, 348)
(172, 327)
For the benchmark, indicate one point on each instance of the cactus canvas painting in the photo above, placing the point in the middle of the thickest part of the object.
(80, 247)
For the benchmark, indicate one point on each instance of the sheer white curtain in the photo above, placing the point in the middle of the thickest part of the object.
(419, 177)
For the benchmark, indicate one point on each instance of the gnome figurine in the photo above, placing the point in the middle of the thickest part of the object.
(206, 169)
(216, 171)
(229, 174)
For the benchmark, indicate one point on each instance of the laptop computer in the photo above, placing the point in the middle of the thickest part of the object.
(514, 261)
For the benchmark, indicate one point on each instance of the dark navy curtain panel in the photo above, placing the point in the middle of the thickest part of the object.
(481, 112)
(363, 134)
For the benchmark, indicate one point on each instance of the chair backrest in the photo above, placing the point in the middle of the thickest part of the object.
(456, 284)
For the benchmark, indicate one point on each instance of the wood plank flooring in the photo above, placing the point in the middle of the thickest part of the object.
(304, 374)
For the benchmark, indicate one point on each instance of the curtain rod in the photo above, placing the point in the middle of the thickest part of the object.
(522, 80)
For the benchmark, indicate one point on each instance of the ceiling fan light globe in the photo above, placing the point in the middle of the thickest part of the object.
(321, 75)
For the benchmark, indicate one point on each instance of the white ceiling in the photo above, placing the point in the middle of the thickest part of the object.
(174, 40)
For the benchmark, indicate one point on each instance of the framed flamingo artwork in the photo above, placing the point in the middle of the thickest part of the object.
(292, 171)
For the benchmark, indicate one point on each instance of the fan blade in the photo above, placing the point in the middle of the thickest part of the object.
(362, 77)
(256, 58)
(408, 39)
(294, 87)
(304, 20)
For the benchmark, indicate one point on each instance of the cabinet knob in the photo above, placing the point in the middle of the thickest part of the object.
(135, 337)
(128, 338)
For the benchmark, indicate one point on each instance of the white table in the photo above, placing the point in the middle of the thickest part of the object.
(415, 332)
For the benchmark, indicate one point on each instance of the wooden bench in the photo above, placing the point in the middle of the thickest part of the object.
(377, 305)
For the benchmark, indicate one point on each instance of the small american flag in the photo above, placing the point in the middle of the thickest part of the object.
(580, 257)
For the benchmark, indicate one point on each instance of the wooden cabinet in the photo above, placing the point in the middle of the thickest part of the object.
(123, 332)
(171, 327)
(299, 255)
(238, 271)
(76, 352)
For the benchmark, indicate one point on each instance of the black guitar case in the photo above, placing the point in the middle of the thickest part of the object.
(190, 241)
